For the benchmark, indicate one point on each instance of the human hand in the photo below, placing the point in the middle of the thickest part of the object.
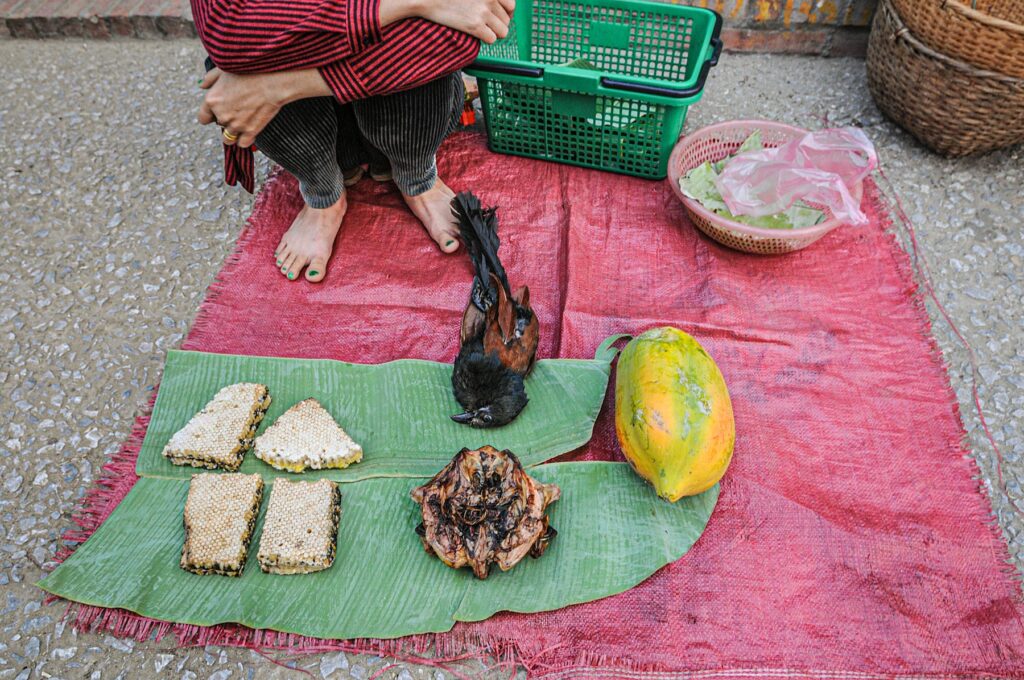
(487, 20)
(241, 104)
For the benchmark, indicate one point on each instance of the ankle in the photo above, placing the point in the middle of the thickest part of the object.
(425, 185)
(339, 205)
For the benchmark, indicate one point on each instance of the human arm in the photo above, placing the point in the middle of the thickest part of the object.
(244, 104)
(412, 52)
(260, 36)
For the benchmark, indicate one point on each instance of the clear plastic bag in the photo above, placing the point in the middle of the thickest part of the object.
(819, 168)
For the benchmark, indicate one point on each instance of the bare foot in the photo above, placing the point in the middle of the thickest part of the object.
(309, 241)
(434, 209)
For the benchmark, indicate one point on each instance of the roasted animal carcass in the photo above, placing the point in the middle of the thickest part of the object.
(483, 509)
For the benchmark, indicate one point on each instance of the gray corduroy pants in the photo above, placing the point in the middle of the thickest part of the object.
(317, 139)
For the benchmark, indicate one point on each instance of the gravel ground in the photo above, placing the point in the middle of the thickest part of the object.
(115, 221)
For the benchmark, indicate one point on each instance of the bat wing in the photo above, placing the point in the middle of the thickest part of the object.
(472, 323)
(506, 312)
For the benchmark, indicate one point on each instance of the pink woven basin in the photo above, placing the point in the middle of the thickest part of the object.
(715, 142)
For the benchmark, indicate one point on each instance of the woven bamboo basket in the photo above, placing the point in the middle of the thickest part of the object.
(988, 34)
(952, 107)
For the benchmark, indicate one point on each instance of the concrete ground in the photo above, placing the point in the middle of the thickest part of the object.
(115, 220)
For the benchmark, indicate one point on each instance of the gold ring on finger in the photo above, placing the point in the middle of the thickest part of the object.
(228, 137)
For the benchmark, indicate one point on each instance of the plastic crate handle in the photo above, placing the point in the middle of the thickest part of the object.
(508, 70)
(716, 52)
(626, 85)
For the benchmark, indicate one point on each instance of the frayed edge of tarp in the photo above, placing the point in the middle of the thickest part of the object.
(961, 446)
(204, 320)
(443, 650)
(116, 479)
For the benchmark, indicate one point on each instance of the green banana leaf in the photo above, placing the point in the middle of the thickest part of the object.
(613, 532)
(612, 528)
(398, 411)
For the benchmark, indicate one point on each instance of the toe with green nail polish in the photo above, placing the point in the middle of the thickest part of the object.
(313, 272)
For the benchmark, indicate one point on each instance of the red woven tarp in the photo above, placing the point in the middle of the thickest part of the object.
(851, 539)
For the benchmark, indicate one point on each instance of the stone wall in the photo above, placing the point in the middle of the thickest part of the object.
(828, 27)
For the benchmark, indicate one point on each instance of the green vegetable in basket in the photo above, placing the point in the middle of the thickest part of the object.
(751, 143)
(699, 184)
(582, 63)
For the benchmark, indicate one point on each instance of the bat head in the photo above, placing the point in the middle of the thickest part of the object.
(491, 394)
(500, 411)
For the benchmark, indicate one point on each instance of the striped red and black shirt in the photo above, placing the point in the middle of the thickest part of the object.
(342, 38)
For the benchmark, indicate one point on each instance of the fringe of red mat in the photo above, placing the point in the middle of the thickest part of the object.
(918, 293)
(445, 650)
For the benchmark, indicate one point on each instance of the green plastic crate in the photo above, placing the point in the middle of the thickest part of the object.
(599, 83)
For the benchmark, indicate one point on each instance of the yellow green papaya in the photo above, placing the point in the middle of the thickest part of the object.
(673, 415)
